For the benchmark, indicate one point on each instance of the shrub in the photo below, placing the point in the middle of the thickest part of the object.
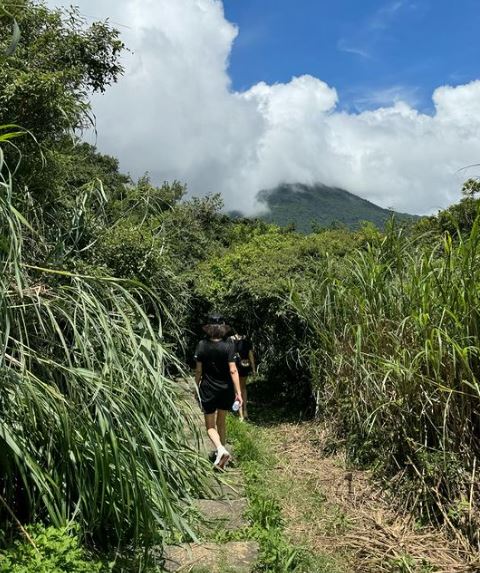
(394, 344)
(250, 283)
(91, 427)
(48, 550)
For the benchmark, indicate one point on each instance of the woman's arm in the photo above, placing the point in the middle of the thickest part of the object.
(236, 381)
(251, 357)
(198, 373)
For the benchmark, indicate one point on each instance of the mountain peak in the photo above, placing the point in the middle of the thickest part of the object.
(309, 206)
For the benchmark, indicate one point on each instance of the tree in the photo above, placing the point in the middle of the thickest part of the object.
(58, 62)
(45, 83)
(470, 188)
(144, 200)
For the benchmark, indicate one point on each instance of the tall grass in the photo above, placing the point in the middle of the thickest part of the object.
(91, 429)
(395, 348)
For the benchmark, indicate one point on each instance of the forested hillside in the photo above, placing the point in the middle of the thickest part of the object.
(373, 332)
(309, 207)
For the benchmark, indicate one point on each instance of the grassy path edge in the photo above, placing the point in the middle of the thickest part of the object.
(266, 523)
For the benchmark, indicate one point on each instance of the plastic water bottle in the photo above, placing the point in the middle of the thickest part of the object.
(236, 406)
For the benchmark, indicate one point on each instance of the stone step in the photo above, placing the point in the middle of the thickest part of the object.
(229, 485)
(226, 514)
(233, 557)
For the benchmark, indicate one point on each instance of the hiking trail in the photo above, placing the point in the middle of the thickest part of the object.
(334, 513)
(224, 510)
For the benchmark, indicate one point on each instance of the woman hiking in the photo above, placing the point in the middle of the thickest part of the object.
(245, 360)
(218, 383)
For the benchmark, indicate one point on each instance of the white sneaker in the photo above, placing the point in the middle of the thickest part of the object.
(222, 459)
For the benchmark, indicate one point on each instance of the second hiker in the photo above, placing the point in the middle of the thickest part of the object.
(245, 360)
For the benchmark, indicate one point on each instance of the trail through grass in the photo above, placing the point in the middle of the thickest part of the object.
(310, 512)
(279, 553)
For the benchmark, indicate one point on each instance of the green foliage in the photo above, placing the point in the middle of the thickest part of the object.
(394, 344)
(276, 554)
(312, 207)
(139, 252)
(457, 219)
(49, 550)
(196, 229)
(380, 328)
(150, 234)
(87, 185)
(267, 259)
(91, 426)
(45, 82)
(132, 251)
(144, 200)
(84, 164)
(249, 283)
(57, 61)
(385, 325)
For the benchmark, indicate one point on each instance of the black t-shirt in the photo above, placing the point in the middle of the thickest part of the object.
(215, 356)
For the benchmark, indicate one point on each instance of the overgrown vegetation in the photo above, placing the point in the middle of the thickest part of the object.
(251, 282)
(394, 344)
(375, 331)
(92, 428)
(49, 550)
(386, 331)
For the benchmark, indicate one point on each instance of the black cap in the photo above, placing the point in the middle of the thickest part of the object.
(215, 318)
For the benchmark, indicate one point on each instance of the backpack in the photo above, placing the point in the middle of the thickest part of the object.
(239, 361)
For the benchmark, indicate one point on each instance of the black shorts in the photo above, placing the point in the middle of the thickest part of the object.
(243, 371)
(222, 400)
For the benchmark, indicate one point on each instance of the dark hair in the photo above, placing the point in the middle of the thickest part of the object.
(217, 330)
(215, 318)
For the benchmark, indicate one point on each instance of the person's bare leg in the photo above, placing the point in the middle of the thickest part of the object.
(210, 424)
(243, 389)
(221, 426)
(215, 424)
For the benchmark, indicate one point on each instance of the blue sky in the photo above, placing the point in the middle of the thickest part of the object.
(378, 97)
(371, 51)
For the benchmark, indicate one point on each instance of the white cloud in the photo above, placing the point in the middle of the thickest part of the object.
(345, 45)
(175, 115)
(382, 97)
(385, 15)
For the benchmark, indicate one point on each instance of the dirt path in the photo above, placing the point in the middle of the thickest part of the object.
(335, 511)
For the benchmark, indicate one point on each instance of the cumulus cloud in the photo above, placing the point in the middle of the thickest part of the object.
(175, 115)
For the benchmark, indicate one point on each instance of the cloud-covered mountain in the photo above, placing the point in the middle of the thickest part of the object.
(310, 206)
(176, 116)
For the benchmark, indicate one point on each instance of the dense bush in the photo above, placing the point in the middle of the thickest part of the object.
(45, 85)
(91, 427)
(383, 330)
(48, 550)
(250, 282)
(459, 217)
(394, 343)
(379, 331)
